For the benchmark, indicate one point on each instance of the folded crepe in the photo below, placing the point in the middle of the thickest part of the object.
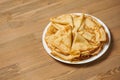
(63, 19)
(61, 39)
(65, 57)
(79, 44)
(77, 22)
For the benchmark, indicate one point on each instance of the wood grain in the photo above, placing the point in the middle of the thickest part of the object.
(22, 56)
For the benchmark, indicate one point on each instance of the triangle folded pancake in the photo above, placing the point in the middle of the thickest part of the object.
(63, 19)
(77, 21)
(79, 43)
(61, 39)
(64, 57)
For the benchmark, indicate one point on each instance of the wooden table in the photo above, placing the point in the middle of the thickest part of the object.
(22, 56)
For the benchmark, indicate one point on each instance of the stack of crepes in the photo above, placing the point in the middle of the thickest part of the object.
(75, 37)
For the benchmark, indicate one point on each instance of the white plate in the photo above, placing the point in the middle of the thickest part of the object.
(106, 46)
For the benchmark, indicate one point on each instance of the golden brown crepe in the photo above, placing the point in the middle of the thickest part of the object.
(63, 19)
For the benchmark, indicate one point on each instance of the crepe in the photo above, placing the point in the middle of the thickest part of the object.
(63, 19)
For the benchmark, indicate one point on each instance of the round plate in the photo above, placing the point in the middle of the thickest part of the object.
(106, 46)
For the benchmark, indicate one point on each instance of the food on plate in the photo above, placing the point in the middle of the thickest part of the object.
(75, 37)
